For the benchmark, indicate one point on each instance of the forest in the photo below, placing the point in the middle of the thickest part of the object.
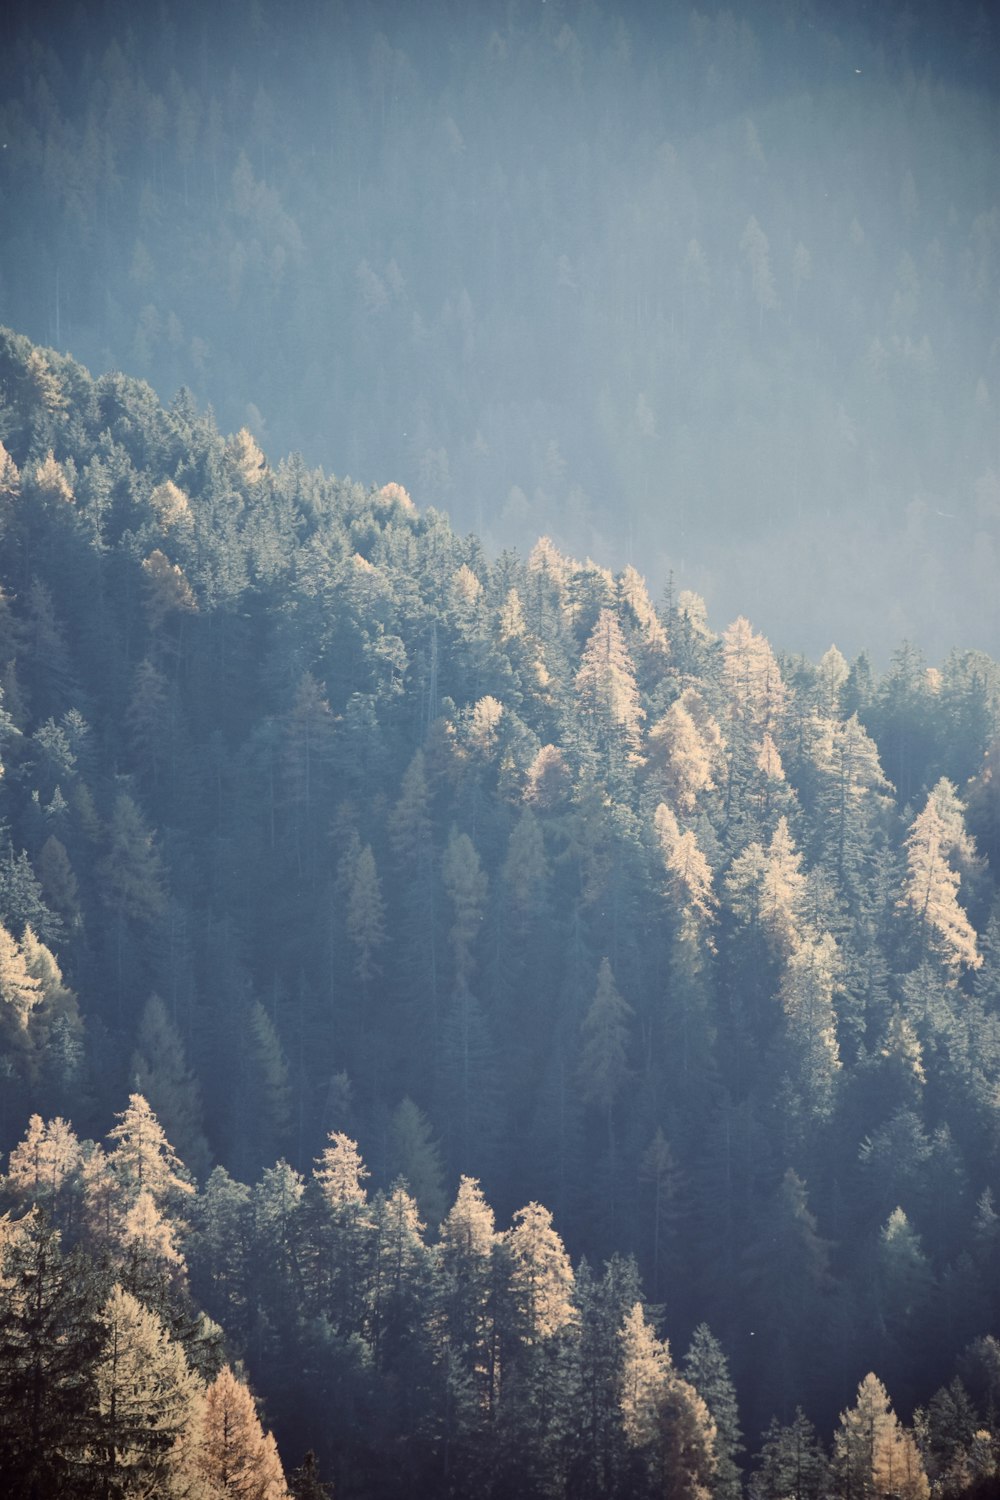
(705, 287)
(469, 1028)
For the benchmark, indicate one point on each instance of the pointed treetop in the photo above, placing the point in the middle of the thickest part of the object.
(340, 1172)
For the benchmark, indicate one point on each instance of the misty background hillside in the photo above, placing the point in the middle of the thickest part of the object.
(711, 290)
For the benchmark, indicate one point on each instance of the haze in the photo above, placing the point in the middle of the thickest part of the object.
(711, 291)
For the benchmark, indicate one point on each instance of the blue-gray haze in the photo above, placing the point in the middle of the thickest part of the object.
(712, 289)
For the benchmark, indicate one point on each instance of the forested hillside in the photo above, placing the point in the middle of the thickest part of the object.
(356, 883)
(732, 269)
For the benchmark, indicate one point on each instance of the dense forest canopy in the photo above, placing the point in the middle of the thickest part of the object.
(478, 1021)
(705, 288)
(440, 988)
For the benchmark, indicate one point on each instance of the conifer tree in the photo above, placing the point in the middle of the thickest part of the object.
(20, 991)
(161, 1076)
(48, 1342)
(466, 884)
(873, 1455)
(608, 695)
(807, 990)
(792, 1464)
(685, 752)
(236, 1458)
(414, 1155)
(541, 1276)
(468, 1238)
(707, 1369)
(148, 1403)
(44, 1167)
(604, 1051)
(365, 917)
(344, 1238)
(143, 1160)
(645, 1372)
(931, 892)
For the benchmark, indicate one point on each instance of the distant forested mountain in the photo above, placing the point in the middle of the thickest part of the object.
(355, 882)
(711, 288)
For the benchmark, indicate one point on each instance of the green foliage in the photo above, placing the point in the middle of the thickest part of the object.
(383, 821)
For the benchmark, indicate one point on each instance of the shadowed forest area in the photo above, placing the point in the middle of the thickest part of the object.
(355, 883)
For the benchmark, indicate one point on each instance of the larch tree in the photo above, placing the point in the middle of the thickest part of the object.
(153, 1264)
(148, 1404)
(608, 696)
(166, 591)
(874, 1456)
(20, 996)
(650, 637)
(541, 1275)
(685, 751)
(44, 1166)
(170, 505)
(57, 1029)
(936, 838)
(665, 1420)
(536, 1334)
(468, 1239)
(248, 464)
(345, 1236)
(783, 892)
(236, 1458)
(852, 791)
(142, 1159)
(645, 1371)
(160, 1074)
(756, 695)
(689, 875)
